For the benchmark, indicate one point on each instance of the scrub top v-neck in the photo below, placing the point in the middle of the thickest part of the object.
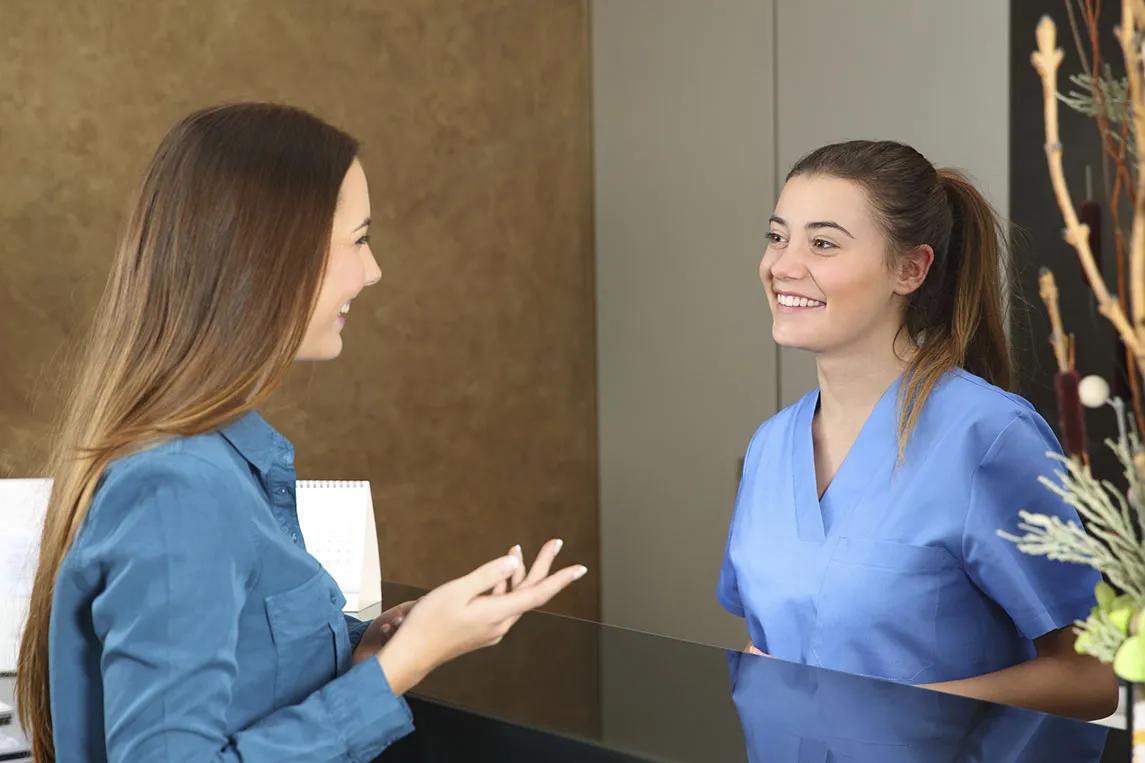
(898, 571)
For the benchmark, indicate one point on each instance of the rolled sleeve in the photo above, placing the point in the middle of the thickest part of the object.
(364, 707)
(1039, 594)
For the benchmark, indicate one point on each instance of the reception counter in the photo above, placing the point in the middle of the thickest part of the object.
(560, 689)
(659, 699)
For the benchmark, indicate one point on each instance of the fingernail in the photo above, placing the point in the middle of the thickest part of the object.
(557, 547)
(516, 549)
(579, 572)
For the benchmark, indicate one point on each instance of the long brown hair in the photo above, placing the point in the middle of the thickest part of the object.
(208, 299)
(957, 318)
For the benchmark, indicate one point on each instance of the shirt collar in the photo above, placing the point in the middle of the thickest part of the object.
(258, 442)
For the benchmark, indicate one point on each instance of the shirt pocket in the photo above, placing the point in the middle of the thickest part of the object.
(878, 607)
(310, 643)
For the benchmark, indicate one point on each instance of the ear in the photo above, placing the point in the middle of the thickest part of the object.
(912, 269)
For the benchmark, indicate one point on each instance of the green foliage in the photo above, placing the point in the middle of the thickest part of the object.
(1109, 542)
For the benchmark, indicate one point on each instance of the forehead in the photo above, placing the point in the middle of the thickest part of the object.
(354, 195)
(819, 198)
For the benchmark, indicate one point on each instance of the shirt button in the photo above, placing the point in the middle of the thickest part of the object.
(333, 598)
(280, 490)
(294, 537)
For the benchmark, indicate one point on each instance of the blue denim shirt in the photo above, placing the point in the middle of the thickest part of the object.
(189, 622)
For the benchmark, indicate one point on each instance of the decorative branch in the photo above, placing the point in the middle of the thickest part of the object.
(1114, 519)
(1048, 291)
(1108, 102)
(1071, 419)
(1046, 61)
(1132, 14)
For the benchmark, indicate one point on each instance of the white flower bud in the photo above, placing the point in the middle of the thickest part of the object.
(1093, 391)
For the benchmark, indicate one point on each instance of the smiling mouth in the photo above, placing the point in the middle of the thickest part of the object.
(793, 301)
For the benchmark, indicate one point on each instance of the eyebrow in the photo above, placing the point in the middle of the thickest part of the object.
(363, 225)
(815, 225)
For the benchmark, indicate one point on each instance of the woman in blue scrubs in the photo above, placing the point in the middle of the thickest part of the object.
(864, 537)
(175, 613)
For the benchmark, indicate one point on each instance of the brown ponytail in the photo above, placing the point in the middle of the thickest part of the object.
(957, 318)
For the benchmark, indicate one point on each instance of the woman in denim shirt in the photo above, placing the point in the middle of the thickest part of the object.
(176, 614)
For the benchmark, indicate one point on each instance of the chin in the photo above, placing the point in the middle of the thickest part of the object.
(328, 351)
(793, 341)
(333, 351)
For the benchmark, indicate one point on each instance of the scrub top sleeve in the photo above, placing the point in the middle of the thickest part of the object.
(1040, 595)
(727, 589)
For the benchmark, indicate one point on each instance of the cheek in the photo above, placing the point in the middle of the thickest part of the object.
(337, 284)
(325, 301)
(855, 291)
(327, 308)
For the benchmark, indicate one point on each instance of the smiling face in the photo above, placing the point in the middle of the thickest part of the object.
(827, 271)
(350, 267)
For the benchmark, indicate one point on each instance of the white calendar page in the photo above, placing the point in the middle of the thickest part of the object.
(23, 503)
(337, 519)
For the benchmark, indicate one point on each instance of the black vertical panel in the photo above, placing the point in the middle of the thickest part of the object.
(1038, 239)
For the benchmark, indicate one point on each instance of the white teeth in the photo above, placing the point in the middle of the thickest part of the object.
(792, 301)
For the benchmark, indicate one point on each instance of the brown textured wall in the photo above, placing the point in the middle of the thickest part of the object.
(466, 391)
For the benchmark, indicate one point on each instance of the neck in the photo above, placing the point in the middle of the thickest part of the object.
(853, 378)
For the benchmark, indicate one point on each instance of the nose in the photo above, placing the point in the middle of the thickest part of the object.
(372, 270)
(786, 264)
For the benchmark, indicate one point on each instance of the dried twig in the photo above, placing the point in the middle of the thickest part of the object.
(1108, 102)
(1048, 291)
(1046, 60)
(1133, 14)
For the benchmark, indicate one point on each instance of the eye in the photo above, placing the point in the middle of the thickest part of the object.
(774, 238)
(363, 240)
(822, 244)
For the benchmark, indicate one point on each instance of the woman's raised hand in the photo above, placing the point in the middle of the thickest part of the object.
(470, 613)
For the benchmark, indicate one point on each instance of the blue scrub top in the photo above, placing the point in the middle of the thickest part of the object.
(189, 622)
(898, 571)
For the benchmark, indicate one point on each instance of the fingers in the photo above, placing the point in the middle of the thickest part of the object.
(516, 578)
(487, 576)
(393, 617)
(400, 612)
(519, 573)
(529, 597)
(544, 562)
